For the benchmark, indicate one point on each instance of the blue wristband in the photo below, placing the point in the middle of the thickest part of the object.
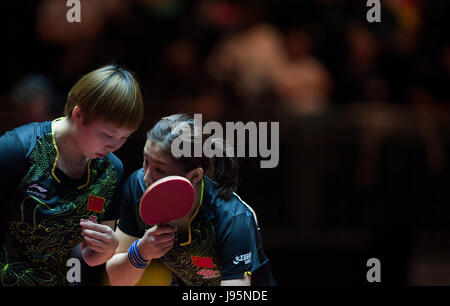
(135, 258)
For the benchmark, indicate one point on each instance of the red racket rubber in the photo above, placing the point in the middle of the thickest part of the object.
(166, 200)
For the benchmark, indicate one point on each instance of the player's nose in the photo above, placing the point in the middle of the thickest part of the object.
(147, 178)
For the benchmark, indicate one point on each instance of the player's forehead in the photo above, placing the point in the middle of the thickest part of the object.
(152, 149)
(155, 153)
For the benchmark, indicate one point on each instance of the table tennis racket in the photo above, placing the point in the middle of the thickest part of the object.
(166, 200)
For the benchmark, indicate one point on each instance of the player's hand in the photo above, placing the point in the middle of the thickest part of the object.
(156, 242)
(99, 237)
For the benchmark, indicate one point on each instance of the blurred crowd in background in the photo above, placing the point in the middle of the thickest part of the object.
(215, 56)
(345, 91)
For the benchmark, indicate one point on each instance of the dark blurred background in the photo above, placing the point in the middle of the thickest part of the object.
(363, 109)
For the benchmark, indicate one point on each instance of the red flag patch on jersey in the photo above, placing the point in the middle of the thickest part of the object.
(96, 203)
(203, 262)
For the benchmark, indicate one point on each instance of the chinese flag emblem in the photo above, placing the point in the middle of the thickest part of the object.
(96, 203)
(203, 262)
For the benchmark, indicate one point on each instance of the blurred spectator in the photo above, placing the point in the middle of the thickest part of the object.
(260, 59)
(77, 41)
(249, 58)
(361, 79)
(184, 69)
(52, 26)
(34, 99)
(302, 82)
(428, 129)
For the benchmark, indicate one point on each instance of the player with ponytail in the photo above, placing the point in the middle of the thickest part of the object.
(217, 243)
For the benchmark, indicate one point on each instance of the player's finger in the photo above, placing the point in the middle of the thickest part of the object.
(98, 249)
(95, 235)
(162, 229)
(166, 249)
(95, 245)
(165, 237)
(95, 226)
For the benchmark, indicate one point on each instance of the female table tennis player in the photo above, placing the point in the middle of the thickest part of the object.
(55, 175)
(216, 243)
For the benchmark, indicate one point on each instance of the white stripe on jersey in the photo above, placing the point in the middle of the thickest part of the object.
(249, 207)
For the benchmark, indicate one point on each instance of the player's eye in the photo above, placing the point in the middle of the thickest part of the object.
(106, 135)
(159, 171)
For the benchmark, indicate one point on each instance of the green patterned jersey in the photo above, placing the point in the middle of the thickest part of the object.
(42, 207)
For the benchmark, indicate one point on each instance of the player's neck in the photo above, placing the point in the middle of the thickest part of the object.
(197, 198)
(184, 222)
(70, 160)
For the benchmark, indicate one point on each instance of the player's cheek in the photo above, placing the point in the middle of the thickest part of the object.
(115, 144)
(121, 143)
(87, 147)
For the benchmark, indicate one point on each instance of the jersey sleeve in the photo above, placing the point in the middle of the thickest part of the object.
(128, 219)
(239, 247)
(12, 163)
(12, 160)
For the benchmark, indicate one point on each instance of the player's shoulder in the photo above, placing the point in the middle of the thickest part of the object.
(116, 163)
(227, 210)
(33, 129)
(136, 178)
(135, 185)
(28, 133)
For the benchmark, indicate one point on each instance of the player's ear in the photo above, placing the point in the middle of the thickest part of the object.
(195, 175)
(77, 115)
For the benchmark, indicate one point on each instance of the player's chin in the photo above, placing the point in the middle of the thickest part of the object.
(148, 183)
(97, 155)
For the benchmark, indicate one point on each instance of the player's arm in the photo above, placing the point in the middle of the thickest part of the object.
(156, 242)
(120, 270)
(238, 250)
(237, 282)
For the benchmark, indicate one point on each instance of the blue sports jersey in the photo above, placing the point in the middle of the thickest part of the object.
(42, 207)
(223, 241)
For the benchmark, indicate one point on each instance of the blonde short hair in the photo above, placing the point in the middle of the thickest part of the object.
(109, 93)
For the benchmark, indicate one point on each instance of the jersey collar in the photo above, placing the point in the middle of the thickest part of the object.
(193, 217)
(57, 156)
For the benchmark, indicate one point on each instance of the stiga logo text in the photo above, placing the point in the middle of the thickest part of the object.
(246, 258)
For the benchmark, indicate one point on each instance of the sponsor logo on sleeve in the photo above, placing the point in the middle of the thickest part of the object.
(245, 258)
